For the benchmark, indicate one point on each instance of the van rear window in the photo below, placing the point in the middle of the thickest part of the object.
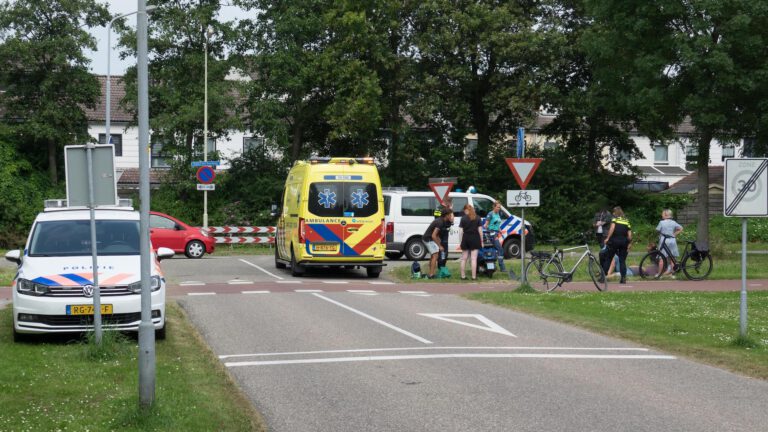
(343, 199)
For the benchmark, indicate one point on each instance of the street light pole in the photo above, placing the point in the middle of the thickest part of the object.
(208, 32)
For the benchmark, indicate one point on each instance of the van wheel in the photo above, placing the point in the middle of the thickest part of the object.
(415, 249)
(297, 269)
(512, 248)
(373, 272)
(278, 264)
(394, 255)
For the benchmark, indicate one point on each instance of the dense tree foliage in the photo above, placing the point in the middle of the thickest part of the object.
(44, 74)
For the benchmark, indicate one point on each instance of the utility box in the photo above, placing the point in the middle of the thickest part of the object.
(104, 179)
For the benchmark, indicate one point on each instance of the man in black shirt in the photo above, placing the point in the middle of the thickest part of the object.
(431, 239)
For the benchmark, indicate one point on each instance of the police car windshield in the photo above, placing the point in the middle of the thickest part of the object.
(73, 238)
(343, 199)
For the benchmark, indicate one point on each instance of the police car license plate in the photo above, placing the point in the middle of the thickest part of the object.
(87, 309)
(325, 247)
(490, 266)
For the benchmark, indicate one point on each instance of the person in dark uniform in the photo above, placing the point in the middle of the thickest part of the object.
(618, 241)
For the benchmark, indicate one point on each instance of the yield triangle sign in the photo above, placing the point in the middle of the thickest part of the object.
(441, 190)
(486, 325)
(523, 169)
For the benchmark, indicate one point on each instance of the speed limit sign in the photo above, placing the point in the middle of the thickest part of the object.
(746, 187)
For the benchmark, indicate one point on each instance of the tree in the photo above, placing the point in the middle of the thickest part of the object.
(481, 65)
(44, 73)
(178, 34)
(664, 61)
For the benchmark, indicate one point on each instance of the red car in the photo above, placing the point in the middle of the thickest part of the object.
(167, 231)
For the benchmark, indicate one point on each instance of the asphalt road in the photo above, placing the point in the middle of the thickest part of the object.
(336, 353)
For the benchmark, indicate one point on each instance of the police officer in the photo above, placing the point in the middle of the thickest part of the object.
(617, 242)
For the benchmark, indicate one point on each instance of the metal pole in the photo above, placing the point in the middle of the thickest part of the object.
(146, 328)
(523, 279)
(743, 307)
(205, 127)
(94, 255)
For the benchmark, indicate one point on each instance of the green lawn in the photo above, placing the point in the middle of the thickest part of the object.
(243, 249)
(701, 326)
(59, 385)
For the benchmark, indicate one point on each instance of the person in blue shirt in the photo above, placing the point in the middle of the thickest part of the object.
(493, 224)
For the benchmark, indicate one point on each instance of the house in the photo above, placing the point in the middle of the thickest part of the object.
(689, 185)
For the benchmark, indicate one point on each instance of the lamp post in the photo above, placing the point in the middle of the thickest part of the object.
(208, 33)
(108, 119)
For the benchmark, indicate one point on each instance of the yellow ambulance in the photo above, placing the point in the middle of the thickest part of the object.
(332, 216)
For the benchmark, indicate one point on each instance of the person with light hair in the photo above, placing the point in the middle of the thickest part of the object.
(668, 227)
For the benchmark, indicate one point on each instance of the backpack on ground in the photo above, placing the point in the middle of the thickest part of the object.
(415, 270)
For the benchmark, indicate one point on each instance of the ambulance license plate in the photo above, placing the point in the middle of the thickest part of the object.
(87, 309)
(325, 247)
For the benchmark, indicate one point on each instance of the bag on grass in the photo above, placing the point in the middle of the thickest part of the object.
(415, 270)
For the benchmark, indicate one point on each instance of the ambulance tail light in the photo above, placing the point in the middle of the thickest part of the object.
(302, 230)
(386, 228)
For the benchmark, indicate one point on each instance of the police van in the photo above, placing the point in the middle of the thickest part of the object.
(332, 215)
(53, 288)
(409, 213)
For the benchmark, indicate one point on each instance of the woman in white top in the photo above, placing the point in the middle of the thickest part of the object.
(668, 227)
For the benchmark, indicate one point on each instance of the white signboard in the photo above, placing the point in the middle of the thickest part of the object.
(206, 187)
(523, 198)
(746, 187)
(104, 180)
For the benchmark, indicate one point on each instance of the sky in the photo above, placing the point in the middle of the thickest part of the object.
(116, 7)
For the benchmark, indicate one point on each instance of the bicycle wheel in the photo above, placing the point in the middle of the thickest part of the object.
(597, 274)
(540, 274)
(652, 265)
(697, 266)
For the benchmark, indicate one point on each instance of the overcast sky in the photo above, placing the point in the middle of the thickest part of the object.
(117, 7)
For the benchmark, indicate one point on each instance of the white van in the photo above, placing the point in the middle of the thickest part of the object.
(53, 289)
(408, 214)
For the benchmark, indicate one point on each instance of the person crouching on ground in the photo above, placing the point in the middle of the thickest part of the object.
(617, 242)
(431, 239)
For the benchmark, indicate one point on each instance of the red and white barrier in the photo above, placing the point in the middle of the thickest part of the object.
(245, 240)
(241, 230)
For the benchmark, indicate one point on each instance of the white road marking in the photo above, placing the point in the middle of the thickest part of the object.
(239, 282)
(374, 319)
(416, 293)
(288, 282)
(192, 283)
(381, 283)
(489, 325)
(202, 294)
(364, 292)
(255, 292)
(451, 356)
(260, 268)
(521, 348)
(308, 291)
(334, 282)
(755, 284)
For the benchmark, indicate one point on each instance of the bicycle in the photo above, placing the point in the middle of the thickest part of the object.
(695, 264)
(545, 271)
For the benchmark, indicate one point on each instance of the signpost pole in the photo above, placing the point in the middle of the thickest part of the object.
(743, 307)
(94, 255)
(521, 152)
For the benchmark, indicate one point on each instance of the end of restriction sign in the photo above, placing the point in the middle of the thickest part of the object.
(746, 187)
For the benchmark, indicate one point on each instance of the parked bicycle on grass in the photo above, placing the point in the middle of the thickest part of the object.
(545, 272)
(695, 263)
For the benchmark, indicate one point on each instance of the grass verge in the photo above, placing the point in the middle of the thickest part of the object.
(57, 384)
(701, 326)
(243, 249)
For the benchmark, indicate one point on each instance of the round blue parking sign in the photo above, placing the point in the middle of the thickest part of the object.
(206, 174)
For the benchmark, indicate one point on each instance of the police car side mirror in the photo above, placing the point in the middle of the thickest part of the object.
(163, 253)
(273, 211)
(14, 256)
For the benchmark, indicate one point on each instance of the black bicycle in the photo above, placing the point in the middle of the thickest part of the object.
(695, 263)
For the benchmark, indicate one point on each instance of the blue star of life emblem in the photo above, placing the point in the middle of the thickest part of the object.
(359, 198)
(327, 198)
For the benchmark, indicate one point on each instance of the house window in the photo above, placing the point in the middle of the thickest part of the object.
(691, 155)
(471, 146)
(159, 158)
(117, 141)
(729, 151)
(661, 154)
(548, 145)
(252, 142)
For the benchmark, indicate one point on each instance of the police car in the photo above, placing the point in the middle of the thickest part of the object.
(53, 288)
(409, 213)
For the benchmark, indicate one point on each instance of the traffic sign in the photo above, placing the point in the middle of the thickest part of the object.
(523, 198)
(196, 164)
(523, 169)
(746, 187)
(206, 187)
(441, 190)
(205, 174)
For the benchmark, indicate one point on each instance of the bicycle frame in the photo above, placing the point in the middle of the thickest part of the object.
(671, 258)
(559, 256)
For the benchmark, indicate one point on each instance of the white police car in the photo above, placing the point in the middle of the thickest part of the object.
(53, 289)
